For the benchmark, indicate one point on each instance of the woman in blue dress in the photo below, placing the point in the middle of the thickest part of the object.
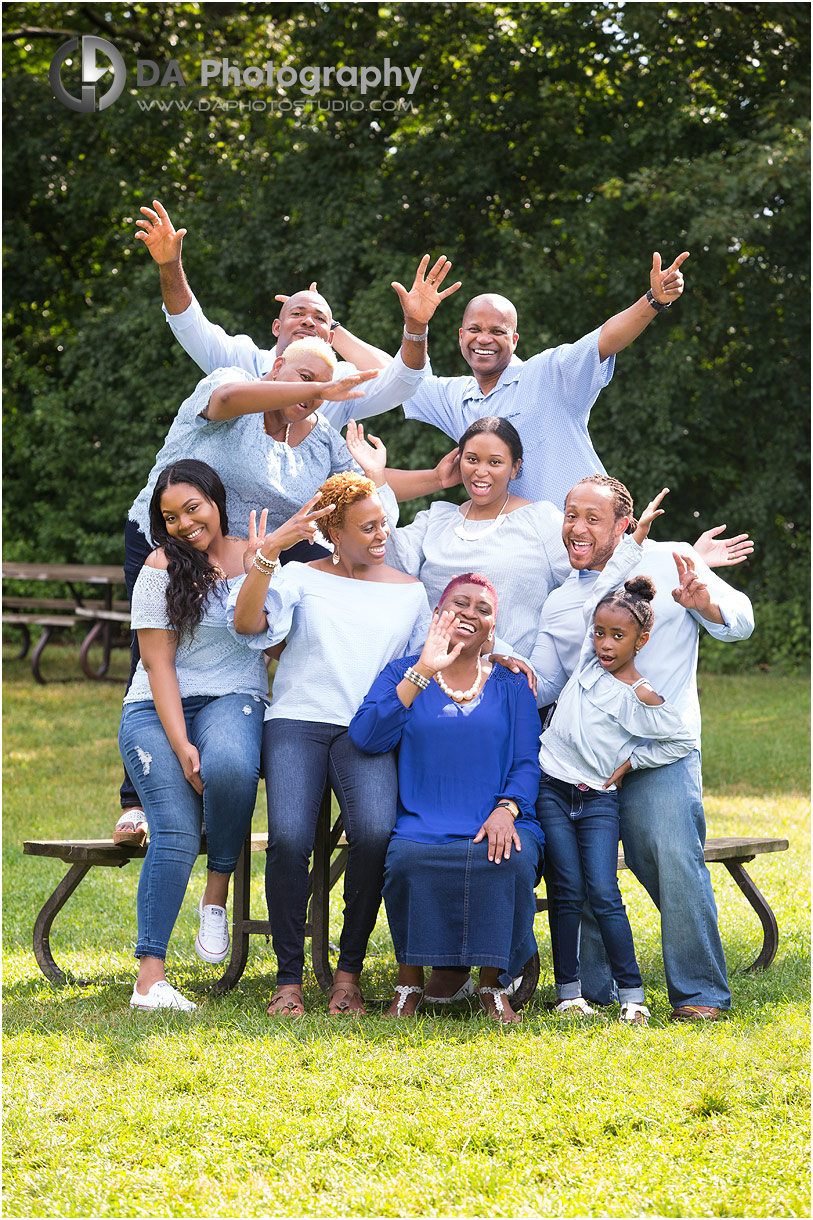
(466, 850)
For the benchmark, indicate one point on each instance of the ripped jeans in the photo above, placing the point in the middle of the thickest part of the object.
(227, 731)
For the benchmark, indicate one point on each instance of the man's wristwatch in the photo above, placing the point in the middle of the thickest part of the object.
(511, 806)
(334, 325)
(416, 338)
(659, 305)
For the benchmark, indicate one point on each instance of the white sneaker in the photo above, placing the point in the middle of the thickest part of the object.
(212, 940)
(634, 1014)
(574, 1008)
(161, 995)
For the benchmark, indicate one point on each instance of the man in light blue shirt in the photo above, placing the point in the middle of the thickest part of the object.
(662, 820)
(548, 397)
(303, 315)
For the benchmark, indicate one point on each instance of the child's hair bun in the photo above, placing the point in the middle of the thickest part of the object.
(641, 586)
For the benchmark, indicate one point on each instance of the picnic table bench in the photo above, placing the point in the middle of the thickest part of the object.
(101, 615)
(329, 859)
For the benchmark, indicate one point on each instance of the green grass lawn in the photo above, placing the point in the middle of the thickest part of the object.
(223, 1113)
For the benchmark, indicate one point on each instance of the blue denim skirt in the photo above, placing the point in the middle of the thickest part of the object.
(448, 905)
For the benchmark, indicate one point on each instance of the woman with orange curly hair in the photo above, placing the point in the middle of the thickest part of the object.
(343, 618)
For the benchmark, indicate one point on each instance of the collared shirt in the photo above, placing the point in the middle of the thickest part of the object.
(669, 658)
(548, 400)
(211, 348)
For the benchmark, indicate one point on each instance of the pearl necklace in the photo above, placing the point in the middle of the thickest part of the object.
(460, 696)
(467, 536)
(284, 440)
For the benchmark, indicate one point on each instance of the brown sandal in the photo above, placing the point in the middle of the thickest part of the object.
(350, 991)
(286, 1002)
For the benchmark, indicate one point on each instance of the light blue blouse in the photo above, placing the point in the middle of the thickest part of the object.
(599, 721)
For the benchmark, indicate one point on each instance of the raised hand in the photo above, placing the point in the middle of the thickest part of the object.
(345, 387)
(281, 296)
(691, 592)
(159, 234)
(423, 298)
(436, 655)
(369, 452)
(256, 537)
(299, 528)
(448, 469)
(667, 284)
(649, 514)
(723, 552)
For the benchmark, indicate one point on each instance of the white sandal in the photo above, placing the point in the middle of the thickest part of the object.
(500, 994)
(463, 993)
(574, 1008)
(402, 991)
(137, 836)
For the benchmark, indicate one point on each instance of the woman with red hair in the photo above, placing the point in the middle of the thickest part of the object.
(466, 850)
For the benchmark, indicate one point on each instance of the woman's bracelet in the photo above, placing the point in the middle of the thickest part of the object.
(267, 566)
(416, 679)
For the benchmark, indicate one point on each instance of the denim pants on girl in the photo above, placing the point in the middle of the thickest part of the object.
(226, 730)
(581, 862)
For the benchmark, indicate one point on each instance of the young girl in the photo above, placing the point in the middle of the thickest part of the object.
(608, 720)
(192, 722)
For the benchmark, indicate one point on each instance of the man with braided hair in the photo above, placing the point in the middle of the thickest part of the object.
(662, 820)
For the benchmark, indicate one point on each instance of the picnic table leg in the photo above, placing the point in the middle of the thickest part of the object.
(241, 911)
(26, 644)
(98, 629)
(528, 984)
(770, 929)
(320, 896)
(46, 917)
(47, 632)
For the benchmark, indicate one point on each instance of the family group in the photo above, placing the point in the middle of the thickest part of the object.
(417, 665)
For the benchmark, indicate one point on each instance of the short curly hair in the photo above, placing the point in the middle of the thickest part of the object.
(343, 489)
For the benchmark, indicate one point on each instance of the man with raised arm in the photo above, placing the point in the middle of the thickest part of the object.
(547, 397)
(302, 316)
(663, 826)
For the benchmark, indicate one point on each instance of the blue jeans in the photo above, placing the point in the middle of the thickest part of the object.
(226, 730)
(581, 862)
(663, 829)
(136, 549)
(298, 758)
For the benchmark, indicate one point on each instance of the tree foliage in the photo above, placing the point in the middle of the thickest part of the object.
(550, 148)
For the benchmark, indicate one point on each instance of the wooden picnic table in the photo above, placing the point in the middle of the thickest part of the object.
(101, 614)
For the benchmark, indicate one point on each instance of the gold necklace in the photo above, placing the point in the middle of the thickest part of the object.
(461, 696)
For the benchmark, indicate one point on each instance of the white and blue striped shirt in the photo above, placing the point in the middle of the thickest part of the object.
(548, 400)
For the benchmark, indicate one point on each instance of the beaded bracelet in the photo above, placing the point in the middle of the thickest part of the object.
(264, 565)
(416, 679)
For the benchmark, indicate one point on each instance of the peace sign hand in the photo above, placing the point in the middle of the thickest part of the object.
(256, 537)
(691, 592)
(667, 285)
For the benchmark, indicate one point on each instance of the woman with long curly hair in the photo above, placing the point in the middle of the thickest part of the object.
(192, 721)
(343, 617)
